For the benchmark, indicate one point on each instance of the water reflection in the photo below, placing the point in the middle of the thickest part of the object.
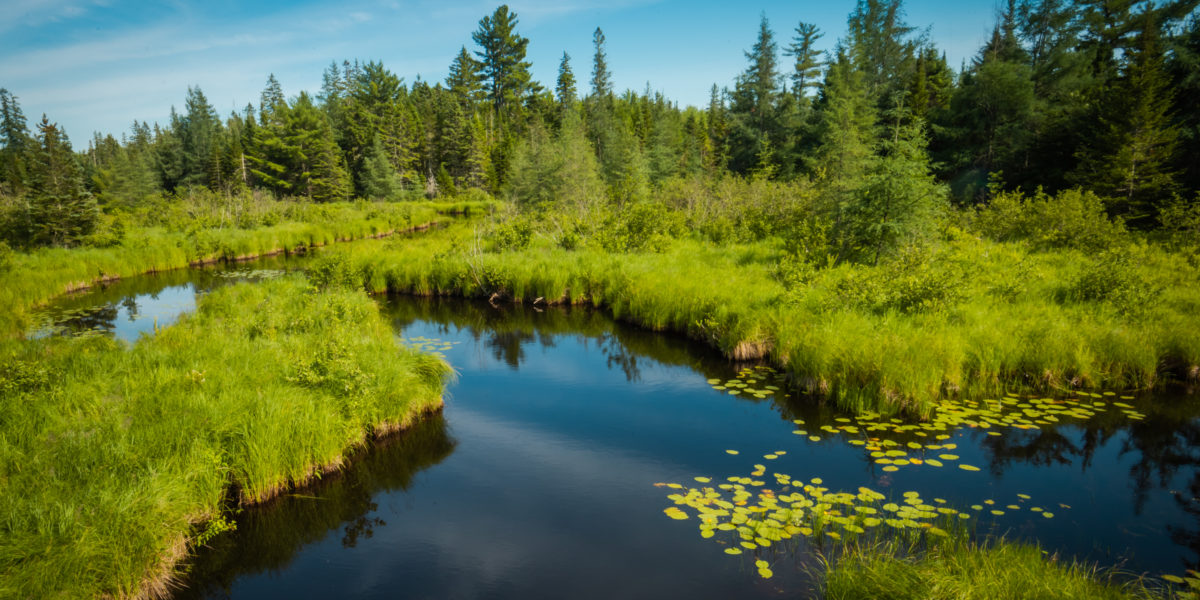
(268, 538)
(128, 308)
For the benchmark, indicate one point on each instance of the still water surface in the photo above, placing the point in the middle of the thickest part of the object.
(537, 479)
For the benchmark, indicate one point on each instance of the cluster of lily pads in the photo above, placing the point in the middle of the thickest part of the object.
(432, 346)
(262, 274)
(746, 381)
(1009, 412)
(747, 515)
(750, 516)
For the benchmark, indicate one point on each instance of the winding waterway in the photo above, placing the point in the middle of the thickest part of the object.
(537, 480)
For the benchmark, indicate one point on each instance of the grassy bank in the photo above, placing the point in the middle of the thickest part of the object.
(963, 571)
(175, 235)
(114, 461)
(967, 315)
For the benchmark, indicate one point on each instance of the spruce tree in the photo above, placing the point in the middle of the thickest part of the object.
(1184, 70)
(15, 144)
(565, 86)
(900, 201)
(61, 210)
(168, 153)
(1130, 159)
(845, 154)
(271, 97)
(757, 125)
(601, 79)
(198, 132)
(463, 80)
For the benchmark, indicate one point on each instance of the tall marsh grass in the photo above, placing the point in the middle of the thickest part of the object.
(965, 571)
(175, 235)
(965, 316)
(114, 460)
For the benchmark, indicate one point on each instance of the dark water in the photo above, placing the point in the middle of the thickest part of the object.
(537, 480)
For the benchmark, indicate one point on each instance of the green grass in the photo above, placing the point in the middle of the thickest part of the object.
(964, 571)
(113, 460)
(170, 239)
(968, 316)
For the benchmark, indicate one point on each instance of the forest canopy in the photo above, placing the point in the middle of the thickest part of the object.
(1095, 95)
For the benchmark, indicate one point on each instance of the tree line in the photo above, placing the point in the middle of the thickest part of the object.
(1098, 94)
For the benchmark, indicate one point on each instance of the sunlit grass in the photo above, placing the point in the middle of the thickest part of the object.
(964, 571)
(35, 277)
(111, 459)
(1005, 325)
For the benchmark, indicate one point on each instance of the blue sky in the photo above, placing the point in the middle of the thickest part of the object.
(96, 65)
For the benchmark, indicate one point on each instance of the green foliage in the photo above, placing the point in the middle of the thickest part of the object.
(334, 271)
(912, 283)
(513, 233)
(503, 66)
(60, 210)
(1070, 219)
(22, 376)
(638, 227)
(1180, 221)
(898, 204)
(260, 390)
(1115, 277)
(558, 172)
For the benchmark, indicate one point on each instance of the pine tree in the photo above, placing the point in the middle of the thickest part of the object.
(565, 86)
(806, 71)
(878, 43)
(845, 155)
(1130, 158)
(757, 124)
(168, 153)
(329, 181)
(271, 97)
(718, 130)
(377, 178)
(61, 211)
(15, 144)
(1184, 69)
(601, 79)
(463, 80)
(198, 131)
(993, 115)
(900, 201)
(502, 55)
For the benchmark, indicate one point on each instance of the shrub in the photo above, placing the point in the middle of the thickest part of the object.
(334, 270)
(514, 233)
(639, 226)
(1071, 219)
(1113, 277)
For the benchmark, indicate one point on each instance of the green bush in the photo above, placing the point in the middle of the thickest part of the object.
(1070, 219)
(514, 233)
(335, 271)
(1113, 277)
(638, 227)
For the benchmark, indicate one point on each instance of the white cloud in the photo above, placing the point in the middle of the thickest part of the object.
(30, 13)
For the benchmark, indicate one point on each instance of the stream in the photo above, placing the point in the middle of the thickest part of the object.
(538, 478)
